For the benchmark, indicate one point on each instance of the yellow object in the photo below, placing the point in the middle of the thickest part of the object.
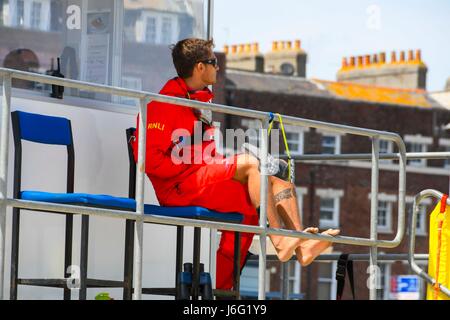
(286, 146)
(439, 255)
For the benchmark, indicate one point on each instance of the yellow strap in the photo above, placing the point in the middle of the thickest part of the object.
(284, 139)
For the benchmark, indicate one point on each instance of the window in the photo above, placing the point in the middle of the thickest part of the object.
(166, 32)
(150, 30)
(36, 15)
(20, 13)
(326, 288)
(329, 207)
(131, 83)
(331, 144)
(421, 219)
(294, 276)
(385, 147)
(384, 216)
(294, 141)
(416, 147)
(385, 205)
(417, 143)
(111, 40)
(249, 280)
(445, 147)
(384, 281)
(447, 160)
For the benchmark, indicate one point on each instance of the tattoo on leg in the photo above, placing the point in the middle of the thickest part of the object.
(285, 194)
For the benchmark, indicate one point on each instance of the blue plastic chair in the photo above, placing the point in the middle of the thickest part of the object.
(56, 130)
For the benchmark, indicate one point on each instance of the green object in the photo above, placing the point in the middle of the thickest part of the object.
(103, 296)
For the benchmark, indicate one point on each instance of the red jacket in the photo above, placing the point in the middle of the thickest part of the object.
(162, 120)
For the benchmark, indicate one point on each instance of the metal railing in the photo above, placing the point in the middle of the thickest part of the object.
(262, 230)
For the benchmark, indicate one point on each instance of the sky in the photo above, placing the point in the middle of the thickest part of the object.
(330, 30)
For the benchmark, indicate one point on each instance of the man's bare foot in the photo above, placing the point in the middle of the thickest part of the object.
(285, 246)
(309, 249)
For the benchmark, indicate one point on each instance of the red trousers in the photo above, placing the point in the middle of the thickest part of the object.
(212, 187)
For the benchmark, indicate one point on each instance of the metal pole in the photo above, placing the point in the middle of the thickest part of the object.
(374, 219)
(212, 231)
(139, 225)
(285, 267)
(4, 135)
(209, 29)
(212, 256)
(263, 211)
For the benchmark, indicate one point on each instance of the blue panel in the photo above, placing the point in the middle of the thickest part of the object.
(44, 129)
(120, 203)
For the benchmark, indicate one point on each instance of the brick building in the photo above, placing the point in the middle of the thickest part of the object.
(337, 194)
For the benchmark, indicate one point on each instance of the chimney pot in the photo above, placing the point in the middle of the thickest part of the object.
(360, 61)
(352, 61)
(226, 49)
(419, 55)
(289, 45)
(247, 48)
(402, 56)
(383, 57)
(375, 59)
(344, 63)
(241, 48)
(367, 60)
(393, 57)
(234, 48)
(410, 55)
(255, 47)
(297, 44)
(274, 46)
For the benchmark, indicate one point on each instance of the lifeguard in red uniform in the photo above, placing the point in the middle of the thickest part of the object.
(191, 173)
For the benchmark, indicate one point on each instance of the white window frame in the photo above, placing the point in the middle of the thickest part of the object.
(159, 17)
(300, 141)
(44, 18)
(423, 142)
(386, 285)
(337, 136)
(331, 280)
(446, 144)
(423, 213)
(335, 195)
(390, 200)
(389, 149)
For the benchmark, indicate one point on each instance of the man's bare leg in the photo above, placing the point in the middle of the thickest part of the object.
(247, 172)
(287, 207)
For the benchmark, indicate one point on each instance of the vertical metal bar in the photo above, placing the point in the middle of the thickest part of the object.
(4, 135)
(237, 265)
(285, 280)
(374, 218)
(84, 256)
(179, 260)
(263, 211)
(139, 225)
(196, 263)
(128, 260)
(210, 12)
(212, 256)
(68, 244)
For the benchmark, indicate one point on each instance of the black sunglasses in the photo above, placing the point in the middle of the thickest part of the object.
(212, 62)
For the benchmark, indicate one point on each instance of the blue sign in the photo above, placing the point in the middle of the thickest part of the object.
(407, 284)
